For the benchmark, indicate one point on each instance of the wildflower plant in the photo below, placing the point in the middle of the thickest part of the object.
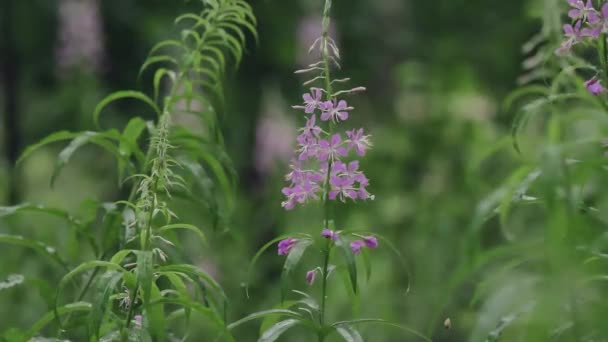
(554, 272)
(135, 290)
(325, 169)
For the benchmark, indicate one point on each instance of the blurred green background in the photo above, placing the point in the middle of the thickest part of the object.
(436, 74)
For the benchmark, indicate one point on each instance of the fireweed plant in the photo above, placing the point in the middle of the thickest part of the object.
(548, 284)
(325, 169)
(136, 289)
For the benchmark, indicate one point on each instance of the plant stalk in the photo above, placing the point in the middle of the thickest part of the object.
(326, 202)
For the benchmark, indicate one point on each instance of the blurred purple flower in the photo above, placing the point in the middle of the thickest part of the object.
(370, 241)
(310, 276)
(580, 9)
(286, 245)
(329, 234)
(138, 321)
(357, 141)
(594, 86)
(356, 246)
(573, 35)
(80, 35)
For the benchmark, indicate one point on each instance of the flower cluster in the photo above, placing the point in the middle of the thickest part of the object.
(595, 22)
(325, 151)
(588, 24)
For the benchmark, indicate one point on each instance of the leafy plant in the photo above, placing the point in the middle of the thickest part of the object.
(321, 172)
(134, 290)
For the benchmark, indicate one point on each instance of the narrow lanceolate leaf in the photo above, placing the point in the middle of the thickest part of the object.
(52, 315)
(145, 269)
(349, 258)
(156, 315)
(125, 94)
(348, 333)
(277, 330)
(45, 251)
(131, 135)
(106, 285)
(78, 270)
(79, 141)
(382, 322)
(292, 260)
(189, 227)
(263, 314)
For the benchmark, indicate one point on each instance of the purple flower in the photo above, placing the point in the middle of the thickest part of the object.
(573, 35)
(580, 9)
(330, 150)
(598, 22)
(356, 246)
(335, 112)
(363, 183)
(342, 187)
(307, 146)
(329, 234)
(370, 241)
(311, 129)
(286, 245)
(138, 321)
(310, 276)
(594, 86)
(357, 141)
(300, 192)
(313, 100)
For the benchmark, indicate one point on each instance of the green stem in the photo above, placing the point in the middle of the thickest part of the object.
(603, 54)
(326, 202)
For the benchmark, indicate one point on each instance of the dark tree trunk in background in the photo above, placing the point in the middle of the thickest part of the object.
(8, 55)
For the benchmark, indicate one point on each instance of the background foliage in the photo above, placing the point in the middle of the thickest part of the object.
(437, 73)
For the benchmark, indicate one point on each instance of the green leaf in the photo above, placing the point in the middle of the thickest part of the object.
(156, 315)
(382, 322)
(120, 256)
(270, 320)
(158, 76)
(145, 270)
(105, 287)
(55, 314)
(349, 258)
(81, 140)
(125, 94)
(197, 307)
(292, 260)
(277, 330)
(194, 271)
(156, 59)
(48, 252)
(81, 268)
(261, 251)
(348, 333)
(130, 135)
(263, 314)
(185, 226)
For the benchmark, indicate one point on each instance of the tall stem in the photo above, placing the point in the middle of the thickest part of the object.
(326, 202)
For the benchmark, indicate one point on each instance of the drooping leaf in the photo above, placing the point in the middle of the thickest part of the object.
(106, 284)
(45, 251)
(277, 330)
(125, 94)
(189, 227)
(348, 333)
(55, 314)
(349, 258)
